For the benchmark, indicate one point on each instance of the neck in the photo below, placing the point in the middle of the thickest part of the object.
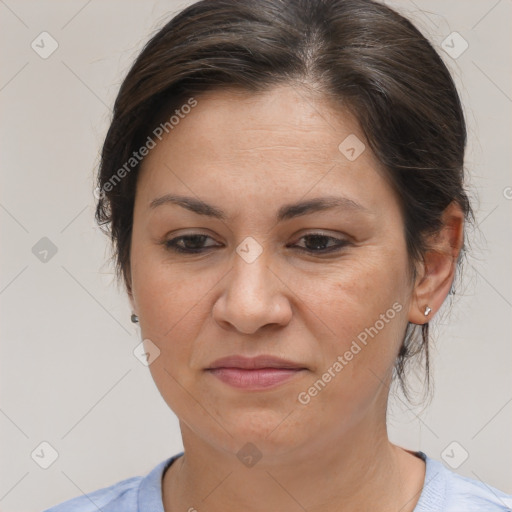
(361, 471)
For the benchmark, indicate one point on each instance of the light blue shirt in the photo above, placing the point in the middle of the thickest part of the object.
(443, 491)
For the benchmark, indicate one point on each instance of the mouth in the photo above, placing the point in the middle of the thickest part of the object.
(261, 378)
(256, 373)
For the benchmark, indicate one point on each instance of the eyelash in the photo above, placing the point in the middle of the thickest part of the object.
(172, 244)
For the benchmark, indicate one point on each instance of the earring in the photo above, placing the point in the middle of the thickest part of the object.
(135, 318)
(427, 310)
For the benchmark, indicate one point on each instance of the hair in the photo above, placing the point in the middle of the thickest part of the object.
(358, 54)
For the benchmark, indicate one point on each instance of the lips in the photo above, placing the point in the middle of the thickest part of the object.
(255, 363)
(259, 379)
(254, 373)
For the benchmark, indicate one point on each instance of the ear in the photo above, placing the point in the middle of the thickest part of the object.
(436, 273)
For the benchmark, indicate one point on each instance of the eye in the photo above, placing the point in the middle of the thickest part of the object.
(188, 244)
(319, 243)
(315, 243)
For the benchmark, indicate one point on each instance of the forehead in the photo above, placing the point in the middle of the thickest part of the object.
(282, 140)
(284, 118)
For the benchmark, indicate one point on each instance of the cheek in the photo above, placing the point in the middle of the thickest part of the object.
(172, 312)
(362, 307)
(365, 315)
(352, 295)
(165, 292)
(169, 302)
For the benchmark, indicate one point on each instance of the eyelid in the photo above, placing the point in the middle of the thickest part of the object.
(321, 232)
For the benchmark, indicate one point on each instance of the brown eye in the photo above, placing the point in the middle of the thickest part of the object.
(188, 244)
(319, 243)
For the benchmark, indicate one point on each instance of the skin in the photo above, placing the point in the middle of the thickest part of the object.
(250, 154)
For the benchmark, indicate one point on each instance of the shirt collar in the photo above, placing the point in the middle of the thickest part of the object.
(150, 488)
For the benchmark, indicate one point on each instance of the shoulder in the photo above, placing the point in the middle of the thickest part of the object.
(120, 496)
(476, 494)
(130, 495)
(446, 491)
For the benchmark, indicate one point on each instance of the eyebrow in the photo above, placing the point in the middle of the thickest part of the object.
(286, 212)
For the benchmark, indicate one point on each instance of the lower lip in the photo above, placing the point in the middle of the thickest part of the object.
(254, 379)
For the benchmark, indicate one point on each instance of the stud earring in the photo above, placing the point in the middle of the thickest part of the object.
(135, 318)
(427, 310)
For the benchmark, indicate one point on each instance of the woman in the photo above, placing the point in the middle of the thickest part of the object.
(283, 183)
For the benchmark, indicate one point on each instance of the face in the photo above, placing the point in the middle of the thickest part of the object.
(250, 274)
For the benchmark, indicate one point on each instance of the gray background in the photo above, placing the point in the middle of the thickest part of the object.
(68, 374)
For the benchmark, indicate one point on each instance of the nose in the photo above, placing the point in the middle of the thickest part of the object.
(253, 297)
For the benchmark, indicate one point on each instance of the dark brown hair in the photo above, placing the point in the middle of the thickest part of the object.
(357, 53)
